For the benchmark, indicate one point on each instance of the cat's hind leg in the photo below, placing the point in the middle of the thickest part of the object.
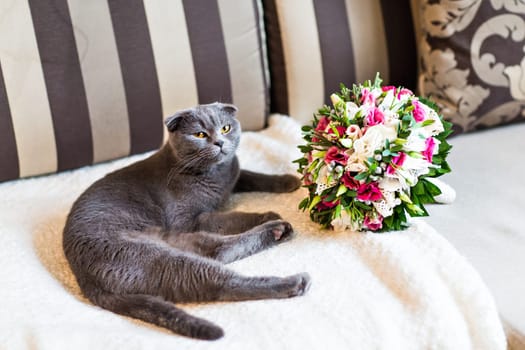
(190, 278)
(239, 288)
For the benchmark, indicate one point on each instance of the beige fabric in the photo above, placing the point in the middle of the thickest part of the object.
(409, 290)
(240, 37)
(368, 38)
(172, 52)
(302, 56)
(102, 82)
(26, 90)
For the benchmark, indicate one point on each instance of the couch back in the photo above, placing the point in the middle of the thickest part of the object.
(83, 82)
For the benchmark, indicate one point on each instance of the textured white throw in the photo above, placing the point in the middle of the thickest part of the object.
(401, 290)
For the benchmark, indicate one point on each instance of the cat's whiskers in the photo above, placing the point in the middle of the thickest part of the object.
(188, 164)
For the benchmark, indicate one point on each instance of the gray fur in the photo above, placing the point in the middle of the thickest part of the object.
(152, 234)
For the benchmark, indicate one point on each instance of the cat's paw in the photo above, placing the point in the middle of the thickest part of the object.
(279, 230)
(288, 183)
(299, 284)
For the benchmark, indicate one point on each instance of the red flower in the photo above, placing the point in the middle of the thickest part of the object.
(340, 130)
(395, 163)
(335, 154)
(325, 205)
(369, 192)
(323, 123)
(349, 181)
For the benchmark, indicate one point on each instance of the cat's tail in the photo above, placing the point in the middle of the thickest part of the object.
(159, 312)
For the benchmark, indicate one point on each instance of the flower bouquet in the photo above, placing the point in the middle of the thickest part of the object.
(367, 159)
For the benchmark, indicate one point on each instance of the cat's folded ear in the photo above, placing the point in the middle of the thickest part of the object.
(173, 121)
(229, 108)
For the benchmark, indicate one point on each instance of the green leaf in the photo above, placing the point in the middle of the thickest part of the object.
(304, 203)
(314, 202)
(404, 197)
(306, 128)
(361, 176)
(362, 205)
(341, 190)
(427, 122)
(431, 188)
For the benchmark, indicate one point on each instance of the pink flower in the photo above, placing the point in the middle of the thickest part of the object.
(369, 192)
(429, 151)
(367, 98)
(374, 117)
(373, 224)
(395, 163)
(335, 154)
(349, 181)
(389, 88)
(404, 92)
(418, 112)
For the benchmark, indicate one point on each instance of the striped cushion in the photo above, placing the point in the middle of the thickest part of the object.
(315, 45)
(88, 81)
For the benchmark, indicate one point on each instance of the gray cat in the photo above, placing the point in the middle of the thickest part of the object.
(152, 234)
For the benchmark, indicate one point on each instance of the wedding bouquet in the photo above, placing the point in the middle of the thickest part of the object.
(368, 157)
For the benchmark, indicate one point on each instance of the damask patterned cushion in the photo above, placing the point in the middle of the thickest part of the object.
(87, 81)
(472, 60)
(315, 45)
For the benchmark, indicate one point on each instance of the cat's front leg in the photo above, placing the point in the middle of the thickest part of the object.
(228, 248)
(231, 223)
(250, 181)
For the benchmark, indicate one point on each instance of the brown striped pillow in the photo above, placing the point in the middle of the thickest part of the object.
(316, 45)
(88, 81)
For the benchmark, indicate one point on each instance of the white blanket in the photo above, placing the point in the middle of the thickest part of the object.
(402, 290)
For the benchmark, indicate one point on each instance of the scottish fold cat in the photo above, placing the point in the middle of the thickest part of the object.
(152, 235)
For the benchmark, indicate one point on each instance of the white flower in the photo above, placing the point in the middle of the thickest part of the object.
(415, 141)
(324, 180)
(390, 183)
(386, 205)
(412, 169)
(335, 99)
(391, 118)
(354, 131)
(436, 127)
(355, 165)
(351, 110)
(373, 139)
(388, 101)
(345, 221)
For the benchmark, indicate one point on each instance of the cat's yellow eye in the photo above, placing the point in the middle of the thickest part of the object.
(226, 129)
(200, 135)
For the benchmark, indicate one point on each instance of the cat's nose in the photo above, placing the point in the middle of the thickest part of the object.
(219, 143)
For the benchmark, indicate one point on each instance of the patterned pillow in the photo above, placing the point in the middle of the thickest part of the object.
(88, 81)
(472, 60)
(316, 45)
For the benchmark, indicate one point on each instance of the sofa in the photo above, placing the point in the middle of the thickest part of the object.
(84, 89)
